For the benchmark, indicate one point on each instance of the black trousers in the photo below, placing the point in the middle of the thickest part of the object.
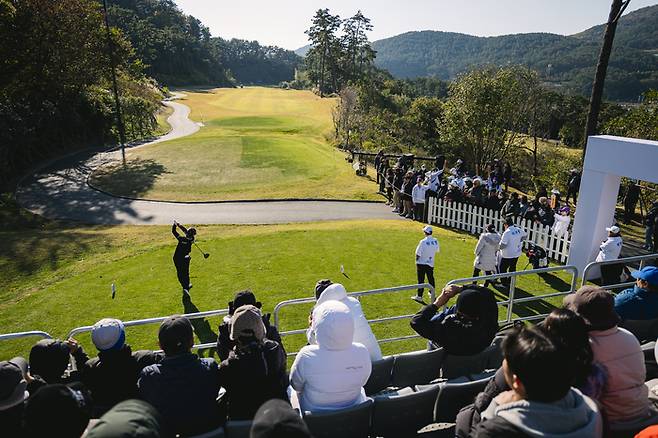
(422, 271)
(476, 273)
(507, 265)
(610, 274)
(418, 212)
(183, 271)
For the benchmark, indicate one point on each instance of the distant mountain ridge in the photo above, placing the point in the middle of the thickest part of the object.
(566, 62)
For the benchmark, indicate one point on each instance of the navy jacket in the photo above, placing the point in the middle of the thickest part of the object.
(184, 390)
(637, 304)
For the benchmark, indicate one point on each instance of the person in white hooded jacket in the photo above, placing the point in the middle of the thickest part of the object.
(331, 374)
(362, 332)
(486, 252)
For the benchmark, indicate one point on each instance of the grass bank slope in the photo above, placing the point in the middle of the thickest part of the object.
(256, 143)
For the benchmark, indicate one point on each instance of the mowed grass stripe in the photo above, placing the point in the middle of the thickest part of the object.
(257, 143)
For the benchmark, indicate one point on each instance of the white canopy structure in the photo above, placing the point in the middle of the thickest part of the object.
(607, 159)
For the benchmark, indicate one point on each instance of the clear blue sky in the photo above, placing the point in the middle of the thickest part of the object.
(283, 22)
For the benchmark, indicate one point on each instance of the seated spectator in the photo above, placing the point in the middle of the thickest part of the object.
(13, 394)
(465, 328)
(242, 298)
(112, 376)
(255, 370)
(331, 374)
(129, 419)
(362, 332)
(512, 206)
(541, 401)
(454, 193)
(61, 411)
(641, 301)
(477, 194)
(182, 387)
(486, 253)
(624, 397)
(49, 360)
(276, 419)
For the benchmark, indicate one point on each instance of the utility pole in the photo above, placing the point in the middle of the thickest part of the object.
(617, 8)
(117, 103)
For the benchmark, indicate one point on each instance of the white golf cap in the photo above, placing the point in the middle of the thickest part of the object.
(427, 229)
(108, 334)
(613, 229)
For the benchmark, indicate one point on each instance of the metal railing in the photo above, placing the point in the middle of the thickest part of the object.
(623, 261)
(511, 301)
(18, 335)
(136, 322)
(311, 300)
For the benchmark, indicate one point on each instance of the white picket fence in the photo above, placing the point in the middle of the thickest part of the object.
(474, 219)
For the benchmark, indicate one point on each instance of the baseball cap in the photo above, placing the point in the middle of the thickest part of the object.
(108, 334)
(49, 358)
(275, 418)
(613, 229)
(469, 302)
(595, 305)
(13, 386)
(243, 298)
(175, 334)
(427, 229)
(648, 274)
(247, 321)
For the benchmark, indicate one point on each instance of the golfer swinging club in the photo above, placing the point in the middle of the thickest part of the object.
(182, 255)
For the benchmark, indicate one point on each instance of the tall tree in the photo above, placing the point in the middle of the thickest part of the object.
(616, 9)
(358, 52)
(324, 46)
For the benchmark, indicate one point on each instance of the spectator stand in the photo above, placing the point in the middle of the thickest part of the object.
(37, 333)
(596, 267)
(511, 301)
(387, 290)
(474, 219)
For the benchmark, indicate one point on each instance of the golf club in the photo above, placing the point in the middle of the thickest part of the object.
(205, 254)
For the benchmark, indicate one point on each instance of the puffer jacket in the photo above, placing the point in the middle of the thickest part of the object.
(485, 252)
(624, 396)
(561, 226)
(362, 332)
(331, 374)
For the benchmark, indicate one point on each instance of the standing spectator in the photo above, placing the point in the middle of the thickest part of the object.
(425, 253)
(61, 411)
(49, 360)
(255, 370)
(507, 175)
(129, 419)
(464, 329)
(407, 202)
(512, 206)
(610, 249)
(561, 223)
(492, 202)
(624, 396)
(649, 231)
(478, 193)
(183, 387)
(545, 212)
(641, 301)
(486, 253)
(511, 248)
(541, 193)
(389, 186)
(378, 160)
(630, 200)
(573, 186)
(112, 376)
(418, 197)
(331, 374)
(523, 206)
(433, 185)
(454, 193)
(362, 332)
(13, 394)
(541, 401)
(224, 342)
(398, 179)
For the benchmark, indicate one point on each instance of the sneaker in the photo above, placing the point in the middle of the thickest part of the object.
(395, 210)
(418, 299)
(189, 287)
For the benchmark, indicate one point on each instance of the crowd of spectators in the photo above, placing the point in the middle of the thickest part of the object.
(578, 373)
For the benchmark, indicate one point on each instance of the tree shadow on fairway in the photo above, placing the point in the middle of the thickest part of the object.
(201, 327)
(134, 179)
(555, 282)
(530, 308)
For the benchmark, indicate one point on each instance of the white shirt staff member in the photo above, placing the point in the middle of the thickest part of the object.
(610, 249)
(511, 248)
(425, 252)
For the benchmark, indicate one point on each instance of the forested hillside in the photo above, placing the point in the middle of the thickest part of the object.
(568, 62)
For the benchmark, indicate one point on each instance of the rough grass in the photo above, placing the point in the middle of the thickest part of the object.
(257, 143)
(57, 279)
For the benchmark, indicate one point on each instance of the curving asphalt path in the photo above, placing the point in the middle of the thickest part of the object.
(60, 191)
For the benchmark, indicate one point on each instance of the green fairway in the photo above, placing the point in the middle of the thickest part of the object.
(256, 143)
(57, 279)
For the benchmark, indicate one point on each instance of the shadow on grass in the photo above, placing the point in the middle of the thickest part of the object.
(530, 308)
(201, 326)
(134, 179)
